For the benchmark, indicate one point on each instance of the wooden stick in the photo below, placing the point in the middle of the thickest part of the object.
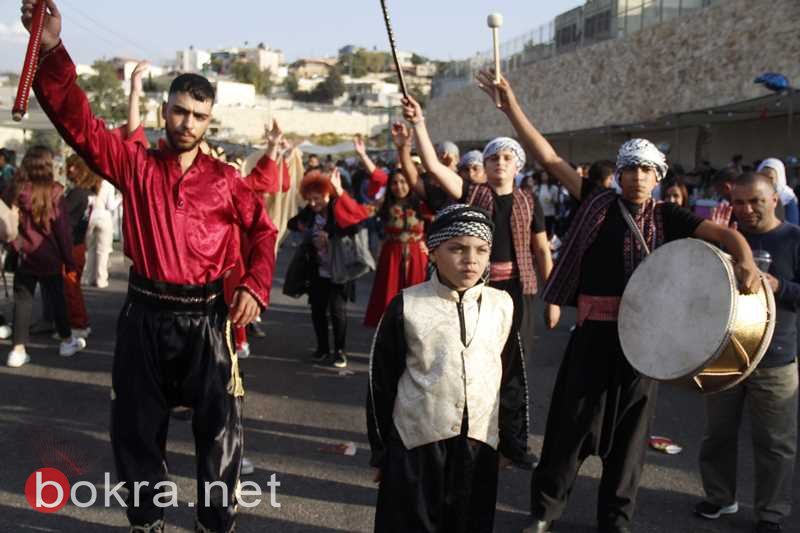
(393, 47)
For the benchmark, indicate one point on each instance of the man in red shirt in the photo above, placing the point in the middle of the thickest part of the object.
(182, 211)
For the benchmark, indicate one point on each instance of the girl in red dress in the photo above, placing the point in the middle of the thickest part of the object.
(403, 261)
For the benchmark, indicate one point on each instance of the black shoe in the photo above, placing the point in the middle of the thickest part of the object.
(529, 461)
(712, 512)
(340, 359)
(538, 526)
(768, 527)
(254, 329)
(320, 357)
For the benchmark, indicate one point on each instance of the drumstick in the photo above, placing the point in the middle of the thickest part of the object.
(31, 63)
(393, 47)
(495, 20)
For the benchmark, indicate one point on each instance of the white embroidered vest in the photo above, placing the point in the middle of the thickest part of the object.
(442, 375)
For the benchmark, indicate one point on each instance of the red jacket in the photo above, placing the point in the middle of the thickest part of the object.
(178, 227)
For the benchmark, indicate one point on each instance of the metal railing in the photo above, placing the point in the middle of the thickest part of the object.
(570, 31)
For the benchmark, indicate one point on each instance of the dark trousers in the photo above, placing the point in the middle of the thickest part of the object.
(524, 313)
(770, 394)
(170, 354)
(448, 486)
(600, 406)
(327, 298)
(24, 289)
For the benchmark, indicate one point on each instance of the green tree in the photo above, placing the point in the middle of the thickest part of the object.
(246, 72)
(418, 59)
(330, 89)
(105, 92)
(324, 93)
(362, 62)
(291, 84)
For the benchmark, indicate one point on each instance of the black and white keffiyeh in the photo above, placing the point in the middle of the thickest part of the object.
(505, 143)
(458, 220)
(641, 153)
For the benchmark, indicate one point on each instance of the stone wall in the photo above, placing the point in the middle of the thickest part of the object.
(695, 62)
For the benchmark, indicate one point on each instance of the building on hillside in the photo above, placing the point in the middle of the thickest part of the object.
(231, 93)
(599, 20)
(263, 57)
(425, 70)
(371, 91)
(312, 68)
(125, 67)
(192, 59)
(85, 70)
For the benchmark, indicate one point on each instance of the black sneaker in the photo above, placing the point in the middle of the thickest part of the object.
(340, 359)
(320, 357)
(768, 527)
(712, 512)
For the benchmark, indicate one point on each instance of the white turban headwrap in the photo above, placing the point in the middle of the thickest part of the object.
(641, 153)
(505, 143)
(784, 191)
(473, 157)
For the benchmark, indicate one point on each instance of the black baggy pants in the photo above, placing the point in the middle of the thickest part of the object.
(600, 406)
(174, 349)
(448, 486)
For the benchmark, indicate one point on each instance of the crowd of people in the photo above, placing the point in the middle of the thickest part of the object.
(464, 244)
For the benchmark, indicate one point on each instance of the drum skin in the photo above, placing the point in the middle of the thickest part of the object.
(682, 317)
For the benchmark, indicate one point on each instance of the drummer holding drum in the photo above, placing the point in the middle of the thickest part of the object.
(600, 404)
(770, 390)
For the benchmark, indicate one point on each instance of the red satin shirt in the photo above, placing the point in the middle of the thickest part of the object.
(179, 228)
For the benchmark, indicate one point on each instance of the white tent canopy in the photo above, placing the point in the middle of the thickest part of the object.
(308, 147)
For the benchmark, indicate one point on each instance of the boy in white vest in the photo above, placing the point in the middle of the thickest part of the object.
(445, 401)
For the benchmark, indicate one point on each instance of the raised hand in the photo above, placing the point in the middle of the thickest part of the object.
(722, 215)
(359, 146)
(274, 134)
(51, 34)
(412, 111)
(336, 181)
(136, 76)
(488, 85)
(400, 134)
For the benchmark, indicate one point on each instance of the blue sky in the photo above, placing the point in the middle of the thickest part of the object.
(154, 29)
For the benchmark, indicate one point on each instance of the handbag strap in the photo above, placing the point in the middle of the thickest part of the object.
(626, 214)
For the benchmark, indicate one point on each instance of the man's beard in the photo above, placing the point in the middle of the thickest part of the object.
(180, 148)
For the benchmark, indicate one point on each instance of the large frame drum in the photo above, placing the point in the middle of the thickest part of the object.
(682, 317)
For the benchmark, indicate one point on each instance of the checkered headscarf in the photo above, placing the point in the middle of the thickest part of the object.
(641, 153)
(473, 157)
(505, 143)
(458, 220)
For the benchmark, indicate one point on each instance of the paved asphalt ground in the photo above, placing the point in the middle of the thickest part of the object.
(55, 412)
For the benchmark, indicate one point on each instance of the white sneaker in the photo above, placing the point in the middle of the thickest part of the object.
(71, 346)
(247, 467)
(102, 284)
(244, 351)
(6, 332)
(17, 359)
